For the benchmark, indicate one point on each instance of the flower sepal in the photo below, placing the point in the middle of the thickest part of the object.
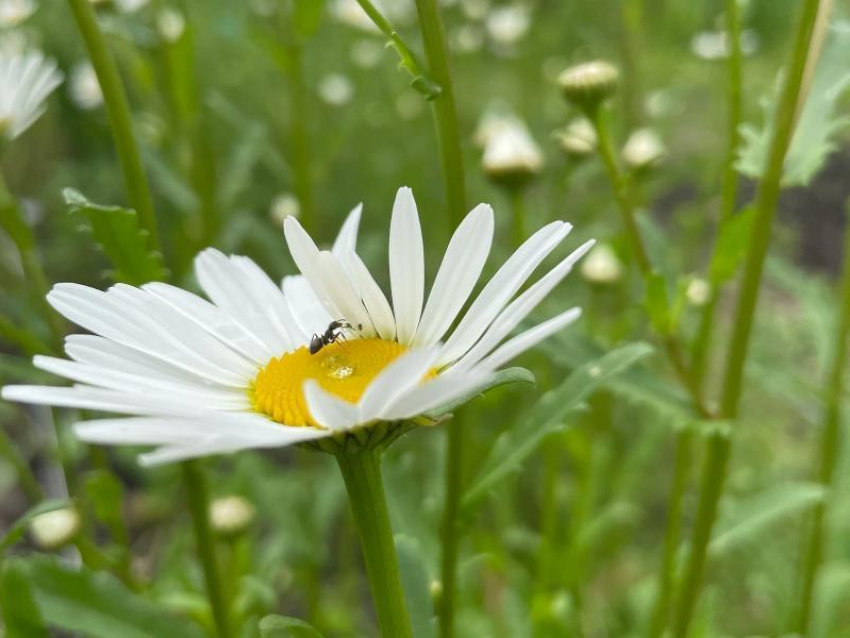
(374, 436)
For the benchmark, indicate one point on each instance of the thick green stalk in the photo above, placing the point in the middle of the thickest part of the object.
(620, 185)
(197, 498)
(120, 120)
(361, 470)
(448, 131)
(720, 446)
(666, 575)
(729, 181)
(445, 108)
(829, 446)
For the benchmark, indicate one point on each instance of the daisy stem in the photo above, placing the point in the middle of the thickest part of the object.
(120, 118)
(620, 185)
(197, 497)
(829, 447)
(361, 471)
(729, 182)
(448, 132)
(445, 108)
(767, 196)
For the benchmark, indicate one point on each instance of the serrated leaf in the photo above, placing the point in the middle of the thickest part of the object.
(286, 627)
(819, 121)
(515, 445)
(508, 376)
(416, 586)
(19, 527)
(21, 616)
(750, 518)
(732, 243)
(117, 231)
(97, 605)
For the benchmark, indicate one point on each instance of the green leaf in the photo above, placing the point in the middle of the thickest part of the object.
(515, 445)
(97, 605)
(819, 121)
(20, 614)
(286, 627)
(731, 247)
(19, 527)
(656, 303)
(416, 586)
(507, 376)
(308, 16)
(750, 518)
(116, 230)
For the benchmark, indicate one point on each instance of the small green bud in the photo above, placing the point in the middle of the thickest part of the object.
(588, 85)
(55, 529)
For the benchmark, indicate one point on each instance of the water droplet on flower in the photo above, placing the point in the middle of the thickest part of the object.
(337, 367)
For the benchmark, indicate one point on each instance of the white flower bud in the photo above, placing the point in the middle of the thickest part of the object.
(644, 150)
(283, 206)
(231, 515)
(366, 53)
(587, 85)
(171, 25)
(508, 25)
(55, 529)
(511, 156)
(336, 89)
(13, 12)
(698, 292)
(601, 265)
(578, 139)
(84, 88)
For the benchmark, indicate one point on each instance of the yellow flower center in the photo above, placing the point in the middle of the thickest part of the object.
(343, 368)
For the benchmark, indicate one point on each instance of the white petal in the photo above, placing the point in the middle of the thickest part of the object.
(372, 296)
(519, 310)
(433, 394)
(458, 274)
(307, 257)
(346, 241)
(398, 377)
(88, 398)
(529, 339)
(330, 411)
(501, 287)
(308, 311)
(344, 295)
(407, 265)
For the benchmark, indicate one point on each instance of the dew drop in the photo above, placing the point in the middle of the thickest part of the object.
(337, 367)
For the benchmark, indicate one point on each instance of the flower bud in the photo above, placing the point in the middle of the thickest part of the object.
(13, 12)
(55, 529)
(697, 292)
(644, 150)
(84, 87)
(578, 139)
(601, 265)
(284, 205)
(511, 156)
(588, 85)
(231, 515)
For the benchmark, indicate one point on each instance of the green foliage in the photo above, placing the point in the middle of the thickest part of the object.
(731, 245)
(286, 627)
(117, 232)
(416, 585)
(95, 604)
(819, 122)
(19, 527)
(515, 445)
(20, 613)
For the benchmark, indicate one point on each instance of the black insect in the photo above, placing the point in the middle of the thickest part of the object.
(332, 334)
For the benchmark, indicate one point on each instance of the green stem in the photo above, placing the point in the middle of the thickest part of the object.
(620, 184)
(26, 479)
(361, 470)
(518, 209)
(449, 532)
(197, 498)
(13, 222)
(120, 120)
(445, 108)
(682, 466)
(830, 442)
(720, 446)
(448, 131)
(729, 186)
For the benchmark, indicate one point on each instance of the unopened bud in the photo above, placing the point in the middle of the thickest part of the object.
(644, 150)
(697, 292)
(55, 529)
(512, 157)
(578, 139)
(231, 515)
(588, 85)
(284, 205)
(601, 266)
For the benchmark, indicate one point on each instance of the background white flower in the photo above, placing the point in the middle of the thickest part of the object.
(26, 79)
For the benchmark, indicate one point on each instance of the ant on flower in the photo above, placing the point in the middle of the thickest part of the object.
(332, 333)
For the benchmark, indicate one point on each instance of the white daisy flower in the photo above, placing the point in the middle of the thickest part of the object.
(26, 79)
(249, 369)
(13, 12)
